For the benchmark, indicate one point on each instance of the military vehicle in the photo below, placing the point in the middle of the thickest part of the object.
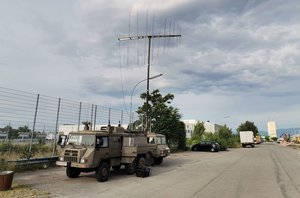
(87, 151)
(159, 149)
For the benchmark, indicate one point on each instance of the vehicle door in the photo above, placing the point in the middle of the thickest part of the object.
(202, 146)
(129, 149)
(208, 146)
(115, 146)
(101, 148)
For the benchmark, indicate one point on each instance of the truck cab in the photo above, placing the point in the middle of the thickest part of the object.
(159, 148)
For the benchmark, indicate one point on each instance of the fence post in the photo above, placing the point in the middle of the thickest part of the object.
(79, 115)
(56, 128)
(132, 120)
(34, 121)
(7, 137)
(92, 116)
(95, 116)
(109, 116)
(121, 118)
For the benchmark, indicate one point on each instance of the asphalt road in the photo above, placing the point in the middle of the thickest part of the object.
(268, 170)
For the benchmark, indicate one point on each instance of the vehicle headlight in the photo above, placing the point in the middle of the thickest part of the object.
(82, 160)
(61, 158)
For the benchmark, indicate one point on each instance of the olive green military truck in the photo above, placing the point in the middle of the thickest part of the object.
(87, 151)
(159, 149)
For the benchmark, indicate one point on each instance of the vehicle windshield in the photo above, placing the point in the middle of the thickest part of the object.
(160, 140)
(85, 140)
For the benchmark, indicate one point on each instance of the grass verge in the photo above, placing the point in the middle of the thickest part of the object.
(20, 191)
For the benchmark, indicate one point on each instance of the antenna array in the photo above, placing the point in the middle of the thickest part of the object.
(167, 31)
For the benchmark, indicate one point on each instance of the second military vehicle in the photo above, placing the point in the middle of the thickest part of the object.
(159, 149)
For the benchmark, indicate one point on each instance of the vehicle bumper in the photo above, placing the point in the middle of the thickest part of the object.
(72, 164)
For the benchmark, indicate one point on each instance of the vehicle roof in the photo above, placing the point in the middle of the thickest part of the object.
(154, 134)
(208, 141)
(103, 133)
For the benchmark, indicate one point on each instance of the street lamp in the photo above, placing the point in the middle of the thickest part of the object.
(152, 77)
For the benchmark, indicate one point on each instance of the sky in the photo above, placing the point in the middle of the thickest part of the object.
(235, 61)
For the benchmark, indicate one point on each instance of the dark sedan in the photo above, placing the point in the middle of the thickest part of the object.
(206, 146)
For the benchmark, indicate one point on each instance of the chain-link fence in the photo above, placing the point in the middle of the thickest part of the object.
(47, 116)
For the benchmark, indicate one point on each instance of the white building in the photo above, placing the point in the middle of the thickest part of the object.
(272, 129)
(209, 127)
(189, 127)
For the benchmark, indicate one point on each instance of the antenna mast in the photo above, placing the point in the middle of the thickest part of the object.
(150, 37)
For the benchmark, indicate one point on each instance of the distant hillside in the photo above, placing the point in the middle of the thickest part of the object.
(291, 131)
(265, 133)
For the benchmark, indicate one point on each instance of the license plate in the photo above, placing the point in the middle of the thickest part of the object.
(58, 163)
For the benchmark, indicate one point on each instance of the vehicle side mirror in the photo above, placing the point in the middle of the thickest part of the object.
(62, 140)
(99, 143)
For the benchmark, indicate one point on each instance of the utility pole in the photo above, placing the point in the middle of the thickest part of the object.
(150, 37)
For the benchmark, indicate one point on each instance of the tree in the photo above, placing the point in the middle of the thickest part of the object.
(248, 126)
(163, 118)
(199, 130)
(181, 136)
(225, 133)
(198, 133)
(24, 129)
(12, 133)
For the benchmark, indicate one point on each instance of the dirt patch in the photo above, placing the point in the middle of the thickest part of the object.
(20, 190)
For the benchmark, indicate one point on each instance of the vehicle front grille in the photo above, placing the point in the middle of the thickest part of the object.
(71, 156)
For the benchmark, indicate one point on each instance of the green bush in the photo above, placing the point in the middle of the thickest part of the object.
(3, 165)
(23, 149)
(25, 153)
(5, 147)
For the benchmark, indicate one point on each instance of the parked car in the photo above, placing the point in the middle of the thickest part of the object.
(206, 146)
(279, 140)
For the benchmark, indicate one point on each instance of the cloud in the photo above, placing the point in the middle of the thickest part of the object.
(237, 58)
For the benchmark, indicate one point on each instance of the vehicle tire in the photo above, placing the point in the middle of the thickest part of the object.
(212, 149)
(243, 145)
(117, 167)
(103, 172)
(130, 168)
(149, 160)
(158, 160)
(252, 145)
(141, 162)
(72, 172)
(194, 148)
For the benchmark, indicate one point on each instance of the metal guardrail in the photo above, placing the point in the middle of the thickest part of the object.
(48, 161)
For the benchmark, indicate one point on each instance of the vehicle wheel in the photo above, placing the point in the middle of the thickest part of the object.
(149, 159)
(102, 172)
(252, 145)
(212, 149)
(130, 168)
(244, 145)
(194, 149)
(72, 172)
(117, 167)
(158, 160)
(141, 163)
